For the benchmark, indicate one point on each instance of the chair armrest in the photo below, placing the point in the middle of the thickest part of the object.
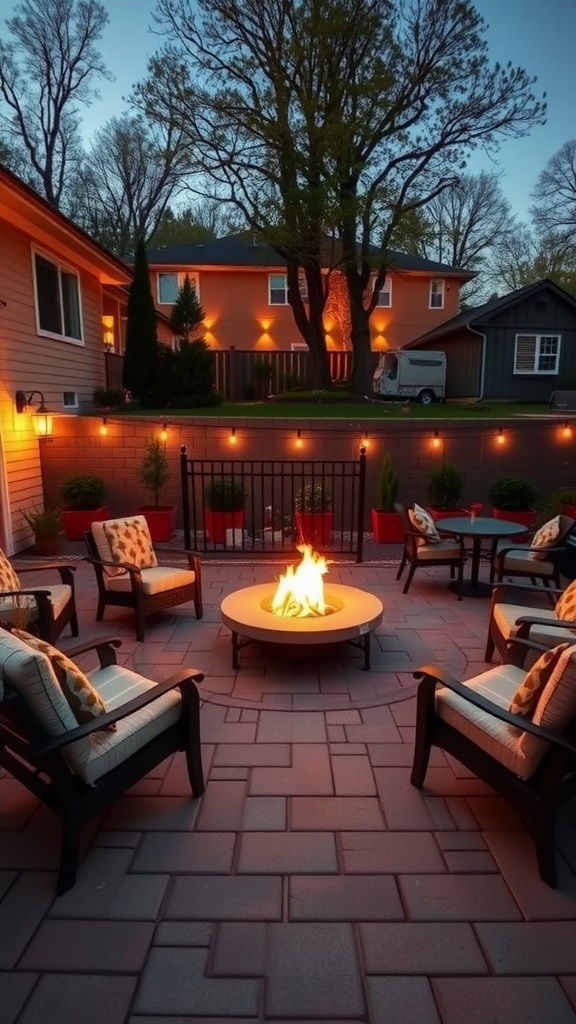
(29, 592)
(431, 675)
(190, 675)
(104, 647)
(533, 620)
(134, 570)
(526, 547)
(42, 566)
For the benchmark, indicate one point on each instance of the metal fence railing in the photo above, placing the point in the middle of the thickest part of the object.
(281, 504)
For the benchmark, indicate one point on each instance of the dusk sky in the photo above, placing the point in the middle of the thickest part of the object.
(535, 35)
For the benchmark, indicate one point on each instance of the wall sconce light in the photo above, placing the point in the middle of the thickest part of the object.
(104, 427)
(500, 437)
(567, 432)
(436, 441)
(233, 435)
(42, 418)
(299, 441)
(164, 432)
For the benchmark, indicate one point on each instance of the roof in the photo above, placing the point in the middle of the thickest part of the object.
(247, 249)
(480, 316)
(24, 207)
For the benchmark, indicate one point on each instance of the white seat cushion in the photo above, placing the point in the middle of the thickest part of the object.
(500, 740)
(154, 581)
(505, 616)
(443, 549)
(102, 751)
(520, 560)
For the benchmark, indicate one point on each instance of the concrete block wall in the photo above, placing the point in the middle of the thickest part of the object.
(536, 448)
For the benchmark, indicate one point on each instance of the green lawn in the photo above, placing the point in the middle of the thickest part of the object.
(324, 409)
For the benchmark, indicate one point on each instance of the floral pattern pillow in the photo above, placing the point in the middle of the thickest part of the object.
(545, 537)
(130, 541)
(526, 697)
(8, 578)
(566, 604)
(422, 522)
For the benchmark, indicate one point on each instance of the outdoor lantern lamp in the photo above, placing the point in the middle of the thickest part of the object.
(42, 418)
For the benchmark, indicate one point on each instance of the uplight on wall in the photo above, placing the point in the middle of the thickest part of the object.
(41, 419)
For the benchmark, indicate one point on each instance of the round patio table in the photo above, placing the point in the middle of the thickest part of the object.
(482, 528)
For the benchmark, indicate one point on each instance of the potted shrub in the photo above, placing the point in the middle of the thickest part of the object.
(108, 398)
(153, 473)
(46, 525)
(84, 500)
(512, 498)
(387, 526)
(224, 498)
(444, 489)
(313, 513)
(562, 500)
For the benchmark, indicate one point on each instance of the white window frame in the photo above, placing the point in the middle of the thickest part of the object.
(385, 291)
(437, 290)
(277, 288)
(70, 272)
(180, 277)
(303, 287)
(538, 341)
(69, 405)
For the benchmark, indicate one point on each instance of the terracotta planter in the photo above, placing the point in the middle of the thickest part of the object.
(216, 524)
(76, 520)
(161, 521)
(49, 545)
(315, 528)
(387, 527)
(527, 518)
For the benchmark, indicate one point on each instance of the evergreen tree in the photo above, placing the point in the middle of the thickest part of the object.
(141, 354)
(187, 313)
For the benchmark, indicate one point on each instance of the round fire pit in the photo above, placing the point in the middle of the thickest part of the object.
(352, 615)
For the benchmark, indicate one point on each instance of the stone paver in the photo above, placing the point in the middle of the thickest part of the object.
(312, 882)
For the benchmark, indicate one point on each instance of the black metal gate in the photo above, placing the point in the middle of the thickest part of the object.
(286, 503)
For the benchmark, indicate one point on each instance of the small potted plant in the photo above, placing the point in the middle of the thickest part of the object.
(154, 473)
(46, 525)
(84, 498)
(313, 513)
(108, 398)
(562, 500)
(224, 498)
(387, 526)
(512, 498)
(444, 489)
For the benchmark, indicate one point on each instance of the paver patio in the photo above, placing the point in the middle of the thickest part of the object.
(311, 882)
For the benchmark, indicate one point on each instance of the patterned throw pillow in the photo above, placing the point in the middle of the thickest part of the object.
(130, 541)
(566, 604)
(85, 702)
(8, 578)
(545, 537)
(422, 521)
(526, 697)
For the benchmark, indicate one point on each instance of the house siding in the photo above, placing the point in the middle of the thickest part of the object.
(542, 313)
(463, 362)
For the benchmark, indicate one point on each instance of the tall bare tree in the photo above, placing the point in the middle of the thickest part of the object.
(134, 168)
(346, 114)
(48, 70)
(554, 198)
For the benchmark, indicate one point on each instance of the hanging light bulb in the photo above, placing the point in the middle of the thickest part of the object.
(104, 427)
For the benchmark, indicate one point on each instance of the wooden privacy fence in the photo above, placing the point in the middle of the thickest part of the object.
(286, 503)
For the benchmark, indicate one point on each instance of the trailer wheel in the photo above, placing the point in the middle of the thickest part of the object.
(426, 397)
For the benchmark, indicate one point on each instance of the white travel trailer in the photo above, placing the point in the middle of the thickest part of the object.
(411, 373)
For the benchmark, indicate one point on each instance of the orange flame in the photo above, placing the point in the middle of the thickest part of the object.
(300, 590)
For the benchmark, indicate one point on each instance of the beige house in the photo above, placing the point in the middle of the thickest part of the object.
(62, 297)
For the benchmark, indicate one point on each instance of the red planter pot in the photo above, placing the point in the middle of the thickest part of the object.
(387, 527)
(450, 513)
(75, 521)
(527, 518)
(568, 510)
(216, 524)
(161, 521)
(315, 528)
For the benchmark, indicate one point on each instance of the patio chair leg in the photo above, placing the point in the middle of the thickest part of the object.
(401, 567)
(489, 652)
(409, 578)
(74, 625)
(68, 855)
(545, 852)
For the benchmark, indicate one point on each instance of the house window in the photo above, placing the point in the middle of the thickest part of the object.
(385, 293)
(70, 400)
(537, 353)
(57, 300)
(303, 287)
(169, 285)
(277, 290)
(437, 293)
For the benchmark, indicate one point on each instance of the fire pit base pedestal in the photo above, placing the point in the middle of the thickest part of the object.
(352, 617)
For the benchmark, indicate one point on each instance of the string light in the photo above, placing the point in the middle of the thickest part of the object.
(104, 427)
(500, 438)
(164, 432)
(436, 440)
(365, 443)
(299, 441)
(233, 435)
(567, 432)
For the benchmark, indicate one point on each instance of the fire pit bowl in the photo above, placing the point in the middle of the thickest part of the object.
(351, 616)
